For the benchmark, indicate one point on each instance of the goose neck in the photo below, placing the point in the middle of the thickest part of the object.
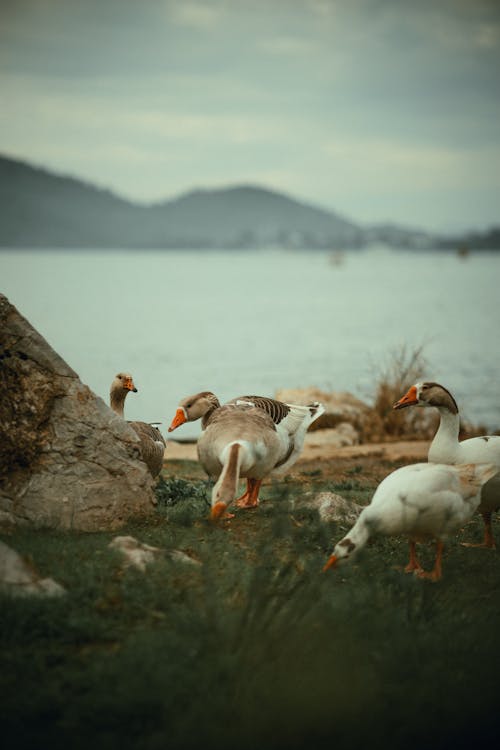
(445, 442)
(117, 401)
(208, 415)
(227, 484)
(449, 424)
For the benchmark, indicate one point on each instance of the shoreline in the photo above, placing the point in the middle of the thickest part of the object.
(389, 451)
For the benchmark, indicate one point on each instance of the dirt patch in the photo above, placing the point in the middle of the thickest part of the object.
(411, 449)
(369, 462)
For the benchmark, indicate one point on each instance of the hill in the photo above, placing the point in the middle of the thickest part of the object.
(248, 216)
(487, 240)
(40, 209)
(43, 209)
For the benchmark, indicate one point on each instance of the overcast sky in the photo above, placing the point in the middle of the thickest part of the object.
(378, 109)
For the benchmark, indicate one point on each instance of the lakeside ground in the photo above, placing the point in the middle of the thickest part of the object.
(333, 464)
(255, 647)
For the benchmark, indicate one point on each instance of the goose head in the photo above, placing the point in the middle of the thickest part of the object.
(122, 384)
(428, 394)
(194, 407)
(344, 549)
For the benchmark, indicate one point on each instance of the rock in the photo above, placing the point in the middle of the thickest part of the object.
(135, 553)
(176, 555)
(340, 407)
(66, 460)
(372, 423)
(140, 555)
(333, 507)
(339, 437)
(19, 577)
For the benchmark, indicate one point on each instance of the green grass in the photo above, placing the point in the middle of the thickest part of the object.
(254, 649)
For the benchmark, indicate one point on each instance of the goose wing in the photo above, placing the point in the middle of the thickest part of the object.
(152, 445)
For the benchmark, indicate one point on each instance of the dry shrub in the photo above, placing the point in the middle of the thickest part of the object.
(403, 367)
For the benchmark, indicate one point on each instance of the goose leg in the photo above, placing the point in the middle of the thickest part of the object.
(413, 564)
(251, 497)
(435, 573)
(243, 498)
(489, 540)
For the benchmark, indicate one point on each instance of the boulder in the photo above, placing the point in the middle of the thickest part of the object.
(340, 407)
(339, 437)
(372, 424)
(66, 460)
(19, 578)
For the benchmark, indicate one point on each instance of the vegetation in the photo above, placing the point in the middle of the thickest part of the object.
(255, 647)
(403, 367)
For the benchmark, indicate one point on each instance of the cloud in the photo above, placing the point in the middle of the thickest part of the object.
(200, 16)
(334, 101)
(287, 46)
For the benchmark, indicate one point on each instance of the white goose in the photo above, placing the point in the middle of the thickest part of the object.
(152, 441)
(421, 501)
(277, 436)
(446, 447)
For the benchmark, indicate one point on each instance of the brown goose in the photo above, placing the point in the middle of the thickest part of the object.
(152, 442)
(291, 422)
(447, 449)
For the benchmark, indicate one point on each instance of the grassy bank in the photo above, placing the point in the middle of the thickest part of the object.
(255, 648)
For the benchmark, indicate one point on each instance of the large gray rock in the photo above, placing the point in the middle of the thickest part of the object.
(66, 460)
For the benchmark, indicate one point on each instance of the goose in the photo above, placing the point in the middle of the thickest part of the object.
(446, 447)
(151, 440)
(421, 501)
(289, 422)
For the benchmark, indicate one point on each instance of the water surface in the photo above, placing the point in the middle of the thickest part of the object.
(253, 322)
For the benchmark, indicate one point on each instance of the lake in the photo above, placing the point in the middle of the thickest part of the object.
(252, 322)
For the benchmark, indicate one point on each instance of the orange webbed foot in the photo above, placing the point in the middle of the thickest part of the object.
(412, 568)
(431, 575)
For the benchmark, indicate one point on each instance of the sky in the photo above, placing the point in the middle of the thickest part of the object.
(381, 110)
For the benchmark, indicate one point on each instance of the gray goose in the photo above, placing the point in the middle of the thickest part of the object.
(290, 422)
(447, 449)
(152, 442)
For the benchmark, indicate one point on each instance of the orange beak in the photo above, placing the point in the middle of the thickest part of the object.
(218, 511)
(129, 385)
(408, 399)
(330, 563)
(180, 418)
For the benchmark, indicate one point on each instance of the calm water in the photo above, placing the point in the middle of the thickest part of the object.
(248, 322)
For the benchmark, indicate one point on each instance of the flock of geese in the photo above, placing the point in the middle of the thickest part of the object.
(253, 437)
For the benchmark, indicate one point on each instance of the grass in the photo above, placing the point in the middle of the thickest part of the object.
(402, 368)
(255, 648)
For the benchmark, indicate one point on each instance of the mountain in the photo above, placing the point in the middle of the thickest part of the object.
(248, 216)
(42, 209)
(487, 240)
